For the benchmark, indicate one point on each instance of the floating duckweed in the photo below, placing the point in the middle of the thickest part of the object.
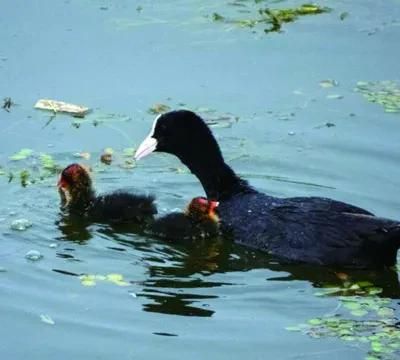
(21, 155)
(380, 330)
(90, 279)
(384, 93)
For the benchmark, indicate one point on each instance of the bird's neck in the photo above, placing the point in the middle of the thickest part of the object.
(219, 181)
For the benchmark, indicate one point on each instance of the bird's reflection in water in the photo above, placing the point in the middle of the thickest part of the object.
(178, 273)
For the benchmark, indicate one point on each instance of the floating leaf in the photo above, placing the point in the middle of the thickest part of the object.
(359, 312)
(376, 346)
(21, 155)
(343, 15)
(48, 162)
(315, 321)
(88, 280)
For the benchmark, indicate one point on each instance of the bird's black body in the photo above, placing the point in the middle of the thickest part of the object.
(122, 207)
(180, 226)
(78, 198)
(311, 230)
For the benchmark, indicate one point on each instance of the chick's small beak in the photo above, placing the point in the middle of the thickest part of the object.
(61, 184)
(212, 210)
(146, 147)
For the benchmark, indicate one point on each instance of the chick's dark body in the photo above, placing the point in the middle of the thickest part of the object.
(122, 207)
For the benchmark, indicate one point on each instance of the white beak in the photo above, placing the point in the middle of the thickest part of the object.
(146, 147)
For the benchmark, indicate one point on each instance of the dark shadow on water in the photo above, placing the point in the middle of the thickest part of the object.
(178, 273)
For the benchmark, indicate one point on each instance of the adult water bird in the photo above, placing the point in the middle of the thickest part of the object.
(314, 230)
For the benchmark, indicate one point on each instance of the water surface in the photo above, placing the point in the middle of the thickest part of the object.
(208, 299)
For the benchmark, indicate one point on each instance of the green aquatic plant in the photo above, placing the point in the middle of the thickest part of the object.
(385, 93)
(366, 320)
(274, 18)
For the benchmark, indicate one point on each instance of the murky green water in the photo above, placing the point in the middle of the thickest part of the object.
(209, 299)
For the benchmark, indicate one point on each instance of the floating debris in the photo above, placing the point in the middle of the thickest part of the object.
(217, 17)
(158, 109)
(334, 96)
(33, 255)
(343, 15)
(7, 103)
(47, 319)
(83, 155)
(328, 83)
(61, 106)
(21, 224)
(53, 245)
(273, 18)
(107, 156)
(384, 93)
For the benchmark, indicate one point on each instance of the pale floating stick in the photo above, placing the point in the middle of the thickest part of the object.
(61, 106)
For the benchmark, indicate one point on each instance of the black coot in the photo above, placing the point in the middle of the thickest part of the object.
(311, 230)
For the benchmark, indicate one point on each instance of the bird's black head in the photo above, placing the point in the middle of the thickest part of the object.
(184, 134)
